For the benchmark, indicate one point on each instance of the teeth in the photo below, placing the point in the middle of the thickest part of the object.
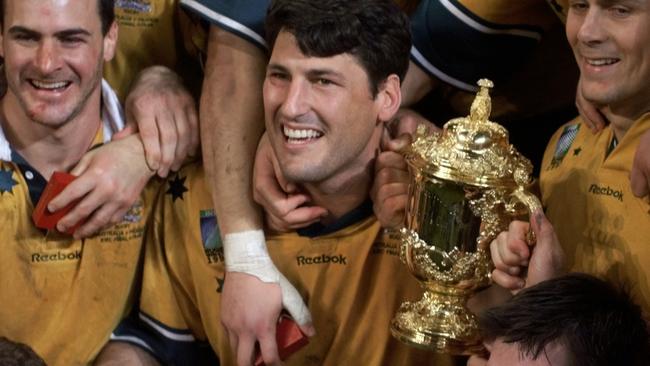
(301, 134)
(49, 86)
(601, 61)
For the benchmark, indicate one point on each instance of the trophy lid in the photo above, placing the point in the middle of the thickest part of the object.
(471, 150)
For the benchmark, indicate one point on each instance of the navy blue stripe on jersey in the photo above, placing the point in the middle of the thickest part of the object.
(35, 181)
(244, 18)
(454, 45)
(170, 346)
(317, 229)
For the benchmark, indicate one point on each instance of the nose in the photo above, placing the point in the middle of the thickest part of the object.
(47, 58)
(296, 99)
(592, 29)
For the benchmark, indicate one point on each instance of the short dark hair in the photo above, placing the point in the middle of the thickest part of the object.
(597, 322)
(106, 14)
(18, 354)
(376, 32)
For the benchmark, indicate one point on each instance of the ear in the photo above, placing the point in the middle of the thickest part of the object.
(389, 98)
(110, 42)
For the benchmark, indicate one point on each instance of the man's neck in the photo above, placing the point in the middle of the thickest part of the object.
(622, 117)
(341, 196)
(49, 149)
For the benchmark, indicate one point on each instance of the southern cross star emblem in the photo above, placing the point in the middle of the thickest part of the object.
(177, 187)
(7, 182)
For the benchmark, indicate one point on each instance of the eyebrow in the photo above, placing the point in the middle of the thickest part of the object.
(18, 29)
(623, 2)
(316, 73)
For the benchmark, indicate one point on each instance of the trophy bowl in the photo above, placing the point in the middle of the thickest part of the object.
(467, 184)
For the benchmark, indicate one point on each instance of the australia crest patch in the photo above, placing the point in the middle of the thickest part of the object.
(564, 144)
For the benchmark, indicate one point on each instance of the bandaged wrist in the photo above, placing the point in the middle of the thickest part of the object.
(245, 252)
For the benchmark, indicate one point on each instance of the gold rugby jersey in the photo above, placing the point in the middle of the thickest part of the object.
(603, 227)
(351, 279)
(156, 32)
(63, 297)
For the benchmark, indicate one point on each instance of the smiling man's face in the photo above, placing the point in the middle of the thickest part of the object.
(53, 52)
(321, 117)
(611, 43)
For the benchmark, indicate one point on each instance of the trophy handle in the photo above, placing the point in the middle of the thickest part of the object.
(532, 204)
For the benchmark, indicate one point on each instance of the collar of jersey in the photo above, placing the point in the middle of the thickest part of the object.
(358, 214)
(112, 121)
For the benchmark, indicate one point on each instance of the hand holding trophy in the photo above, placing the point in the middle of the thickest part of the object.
(467, 184)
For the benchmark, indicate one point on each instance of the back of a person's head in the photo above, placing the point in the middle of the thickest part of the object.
(376, 32)
(597, 322)
(18, 354)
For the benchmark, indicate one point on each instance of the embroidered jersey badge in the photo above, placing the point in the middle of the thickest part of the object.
(211, 237)
(564, 144)
(141, 6)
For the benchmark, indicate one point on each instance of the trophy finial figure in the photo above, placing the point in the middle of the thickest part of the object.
(482, 104)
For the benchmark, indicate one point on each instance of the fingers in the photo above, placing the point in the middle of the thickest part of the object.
(109, 181)
(195, 138)
(589, 112)
(503, 279)
(245, 350)
(295, 219)
(108, 214)
(510, 255)
(168, 140)
(166, 116)
(269, 347)
(547, 260)
(294, 304)
(149, 135)
(389, 192)
(390, 204)
(73, 192)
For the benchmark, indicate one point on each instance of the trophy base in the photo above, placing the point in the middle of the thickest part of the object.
(439, 322)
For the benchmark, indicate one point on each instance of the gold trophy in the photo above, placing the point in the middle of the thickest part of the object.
(467, 184)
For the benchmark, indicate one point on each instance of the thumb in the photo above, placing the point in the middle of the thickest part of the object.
(296, 307)
(400, 143)
(542, 228)
(547, 259)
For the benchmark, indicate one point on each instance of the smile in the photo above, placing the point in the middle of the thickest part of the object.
(49, 85)
(601, 61)
(300, 135)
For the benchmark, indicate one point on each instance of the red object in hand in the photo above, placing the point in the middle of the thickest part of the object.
(45, 219)
(289, 338)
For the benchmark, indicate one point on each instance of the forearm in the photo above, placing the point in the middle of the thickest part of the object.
(416, 85)
(232, 121)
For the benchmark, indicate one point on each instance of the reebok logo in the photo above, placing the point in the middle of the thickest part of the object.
(322, 259)
(56, 257)
(607, 191)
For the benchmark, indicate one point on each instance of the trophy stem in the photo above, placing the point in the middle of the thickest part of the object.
(439, 321)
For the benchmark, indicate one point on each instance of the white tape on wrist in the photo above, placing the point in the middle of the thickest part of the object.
(246, 252)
